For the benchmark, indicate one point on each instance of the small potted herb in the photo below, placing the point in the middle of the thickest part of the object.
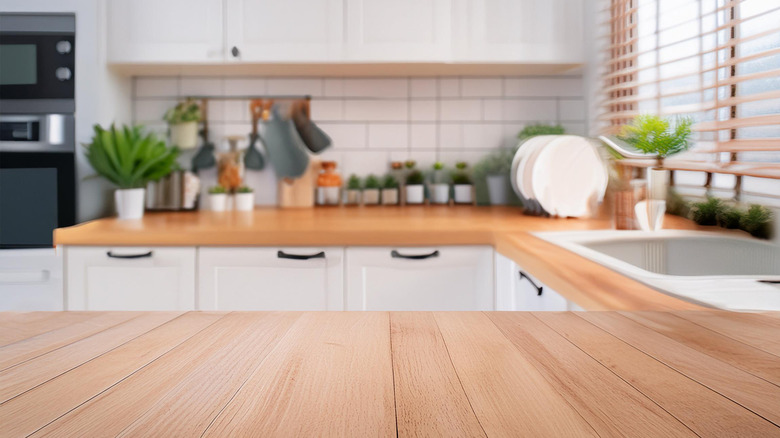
(353, 190)
(757, 221)
(708, 212)
(415, 191)
(371, 190)
(244, 199)
(390, 190)
(464, 187)
(440, 188)
(495, 168)
(183, 123)
(218, 198)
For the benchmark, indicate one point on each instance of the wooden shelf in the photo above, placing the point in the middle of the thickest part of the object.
(757, 170)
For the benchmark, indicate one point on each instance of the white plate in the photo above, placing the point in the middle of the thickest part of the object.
(525, 168)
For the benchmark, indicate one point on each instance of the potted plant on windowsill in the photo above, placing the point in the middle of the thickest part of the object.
(415, 190)
(353, 190)
(130, 159)
(183, 124)
(371, 190)
(464, 186)
(218, 198)
(390, 190)
(244, 199)
(440, 189)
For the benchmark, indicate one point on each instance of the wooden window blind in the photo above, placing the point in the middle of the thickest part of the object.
(717, 61)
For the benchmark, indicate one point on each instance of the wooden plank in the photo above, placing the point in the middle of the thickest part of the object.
(704, 411)
(43, 343)
(115, 409)
(429, 398)
(15, 326)
(742, 387)
(330, 376)
(753, 329)
(201, 395)
(43, 404)
(609, 404)
(508, 394)
(731, 351)
(32, 373)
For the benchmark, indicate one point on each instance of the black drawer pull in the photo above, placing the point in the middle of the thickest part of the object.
(284, 255)
(397, 255)
(538, 288)
(129, 256)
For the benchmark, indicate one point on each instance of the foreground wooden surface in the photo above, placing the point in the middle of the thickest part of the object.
(653, 374)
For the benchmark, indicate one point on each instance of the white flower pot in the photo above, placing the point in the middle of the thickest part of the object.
(218, 201)
(353, 196)
(440, 193)
(184, 135)
(415, 194)
(244, 201)
(129, 203)
(463, 193)
(389, 196)
(370, 196)
(328, 195)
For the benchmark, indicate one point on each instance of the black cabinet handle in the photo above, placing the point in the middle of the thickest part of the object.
(538, 288)
(397, 255)
(129, 256)
(234, 51)
(284, 255)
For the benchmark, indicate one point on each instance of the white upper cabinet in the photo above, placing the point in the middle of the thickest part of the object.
(399, 30)
(518, 31)
(169, 31)
(288, 30)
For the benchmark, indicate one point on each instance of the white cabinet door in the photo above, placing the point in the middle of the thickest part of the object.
(516, 289)
(271, 279)
(124, 278)
(31, 279)
(165, 31)
(524, 31)
(399, 30)
(444, 278)
(288, 30)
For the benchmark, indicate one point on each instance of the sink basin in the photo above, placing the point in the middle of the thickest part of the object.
(711, 269)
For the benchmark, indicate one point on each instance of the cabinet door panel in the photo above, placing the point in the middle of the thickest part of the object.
(458, 278)
(259, 279)
(516, 293)
(31, 279)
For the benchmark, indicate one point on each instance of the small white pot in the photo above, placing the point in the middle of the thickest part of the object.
(353, 196)
(218, 201)
(244, 201)
(389, 196)
(328, 195)
(184, 135)
(415, 194)
(463, 193)
(440, 193)
(370, 196)
(129, 203)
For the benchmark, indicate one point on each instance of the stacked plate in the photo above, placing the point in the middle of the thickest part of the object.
(561, 175)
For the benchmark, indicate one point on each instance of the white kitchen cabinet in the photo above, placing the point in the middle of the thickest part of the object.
(399, 30)
(518, 31)
(442, 278)
(170, 31)
(281, 31)
(516, 289)
(130, 278)
(31, 279)
(271, 279)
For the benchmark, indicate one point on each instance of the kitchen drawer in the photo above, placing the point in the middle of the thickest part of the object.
(31, 279)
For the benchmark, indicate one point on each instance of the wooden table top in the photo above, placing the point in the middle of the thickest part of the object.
(643, 374)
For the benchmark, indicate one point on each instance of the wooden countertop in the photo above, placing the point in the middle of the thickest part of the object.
(643, 374)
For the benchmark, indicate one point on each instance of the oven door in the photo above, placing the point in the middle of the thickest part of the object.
(37, 195)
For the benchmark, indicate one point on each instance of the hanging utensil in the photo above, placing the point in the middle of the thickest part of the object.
(204, 158)
(253, 159)
(313, 137)
(286, 150)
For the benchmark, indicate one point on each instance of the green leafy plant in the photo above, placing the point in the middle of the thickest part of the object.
(390, 182)
(730, 217)
(655, 135)
(498, 162)
(676, 204)
(372, 182)
(244, 189)
(461, 175)
(187, 111)
(410, 164)
(129, 158)
(438, 165)
(415, 178)
(707, 212)
(757, 221)
(217, 190)
(540, 129)
(354, 183)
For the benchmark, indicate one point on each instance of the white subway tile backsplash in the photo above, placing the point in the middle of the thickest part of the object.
(572, 109)
(334, 87)
(327, 110)
(376, 88)
(295, 87)
(481, 87)
(483, 136)
(423, 87)
(575, 128)
(376, 110)
(423, 110)
(235, 110)
(388, 136)
(460, 110)
(245, 86)
(423, 136)
(346, 135)
(510, 134)
(424, 158)
(530, 110)
(449, 87)
(450, 136)
(364, 163)
(534, 87)
(492, 110)
(192, 86)
(147, 111)
(156, 87)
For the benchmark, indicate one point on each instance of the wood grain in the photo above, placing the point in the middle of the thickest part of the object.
(17, 326)
(429, 398)
(753, 329)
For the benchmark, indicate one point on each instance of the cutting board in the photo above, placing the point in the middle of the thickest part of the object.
(299, 192)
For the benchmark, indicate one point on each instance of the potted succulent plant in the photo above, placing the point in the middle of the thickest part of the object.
(244, 199)
(371, 190)
(353, 190)
(495, 168)
(390, 190)
(464, 187)
(129, 158)
(183, 123)
(415, 191)
(440, 188)
(218, 198)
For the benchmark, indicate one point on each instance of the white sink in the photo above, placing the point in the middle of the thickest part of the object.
(712, 269)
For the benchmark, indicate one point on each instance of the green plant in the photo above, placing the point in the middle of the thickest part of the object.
(730, 217)
(655, 135)
(244, 189)
(676, 204)
(415, 178)
(372, 182)
(409, 164)
(461, 175)
(217, 190)
(707, 212)
(757, 221)
(540, 129)
(390, 182)
(354, 183)
(438, 165)
(498, 162)
(129, 158)
(187, 111)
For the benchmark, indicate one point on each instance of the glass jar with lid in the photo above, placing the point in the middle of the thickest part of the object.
(329, 184)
